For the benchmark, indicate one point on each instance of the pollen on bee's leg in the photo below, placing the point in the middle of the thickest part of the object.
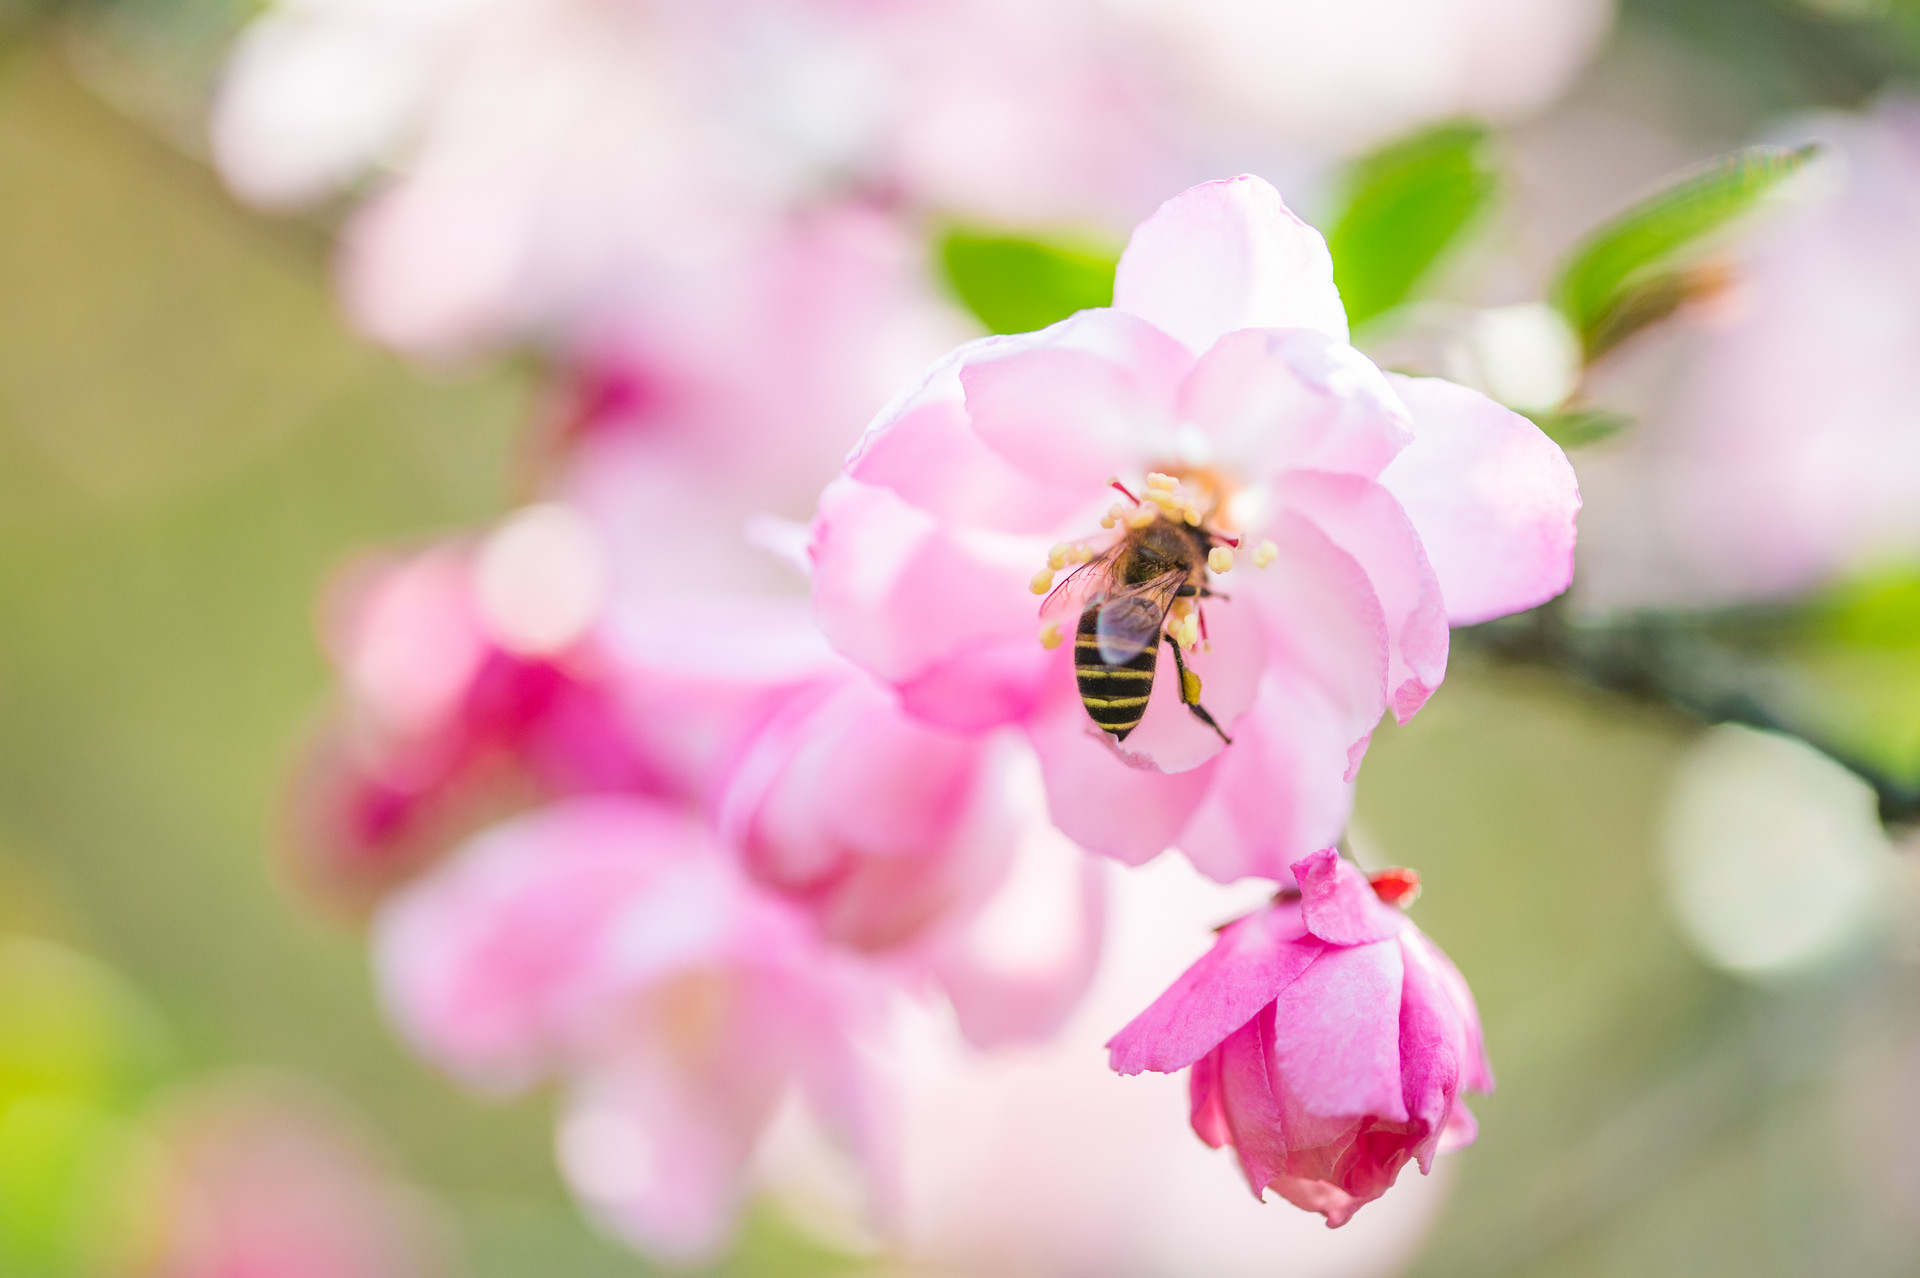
(1265, 553)
(1042, 581)
(1050, 636)
(1220, 559)
(1189, 687)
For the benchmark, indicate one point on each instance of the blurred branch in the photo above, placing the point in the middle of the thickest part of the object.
(1683, 664)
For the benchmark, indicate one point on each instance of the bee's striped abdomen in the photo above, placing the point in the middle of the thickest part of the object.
(1115, 696)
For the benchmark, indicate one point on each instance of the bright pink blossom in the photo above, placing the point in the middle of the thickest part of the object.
(1329, 1042)
(612, 942)
(1369, 510)
(458, 696)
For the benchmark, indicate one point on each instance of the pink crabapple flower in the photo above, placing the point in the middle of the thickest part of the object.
(611, 941)
(255, 1177)
(1357, 512)
(540, 161)
(1329, 1041)
(468, 681)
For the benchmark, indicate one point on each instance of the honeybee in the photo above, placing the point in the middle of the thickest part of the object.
(1124, 594)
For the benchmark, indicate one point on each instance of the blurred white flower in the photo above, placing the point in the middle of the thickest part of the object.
(1775, 857)
(1331, 78)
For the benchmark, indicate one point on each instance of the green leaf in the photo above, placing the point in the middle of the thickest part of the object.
(1608, 276)
(1579, 427)
(1018, 283)
(1406, 205)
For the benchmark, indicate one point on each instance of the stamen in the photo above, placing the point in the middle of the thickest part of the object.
(1113, 481)
(1042, 581)
(1050, 636)
(1265, 553)
(1157, 479)
(1227, 539)
(1142, 517)
(1193, 516)
(1220, 559)
(1057, 557)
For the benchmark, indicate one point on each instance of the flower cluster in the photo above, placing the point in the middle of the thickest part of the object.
(696, 785)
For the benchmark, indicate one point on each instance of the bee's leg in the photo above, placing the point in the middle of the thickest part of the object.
(1208, 592)
(1190, 691)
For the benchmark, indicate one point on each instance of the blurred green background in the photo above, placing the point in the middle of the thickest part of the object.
(190, 440)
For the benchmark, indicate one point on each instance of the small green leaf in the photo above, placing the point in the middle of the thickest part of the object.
(1579, 427)
(1609, 275)
(1018, 283)
(1406, 205)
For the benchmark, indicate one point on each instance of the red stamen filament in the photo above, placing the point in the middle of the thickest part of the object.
(1115, 483)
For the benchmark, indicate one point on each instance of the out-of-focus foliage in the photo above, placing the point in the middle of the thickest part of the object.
(1624, 275)
(1858, 651)
(78, 1051)
(1580, 427)
(1406, 205)
(1783, 55)
(1016, 284)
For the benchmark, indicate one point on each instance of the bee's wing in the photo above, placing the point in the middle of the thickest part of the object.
(1130, 619)
(1082, 588)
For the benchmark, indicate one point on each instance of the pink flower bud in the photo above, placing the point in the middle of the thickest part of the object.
(1329, 1041)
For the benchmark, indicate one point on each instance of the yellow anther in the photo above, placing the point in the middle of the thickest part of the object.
(1057, 557)
(1050, 636)
(1190, 687)
(1265, 553)
(1082, 552)
(1042, 582)
(1142, 517)
(1185, 631)
(1156, 479)
(1220, 559)
(1193, 516)
(1107, 521)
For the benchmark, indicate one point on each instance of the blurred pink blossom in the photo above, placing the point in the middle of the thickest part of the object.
(1789, 451)
(258, 1179)
(551, 157)
(469, 685)
(1368, 510)
(1332, 78)
(612, 942)
(1328, 1041)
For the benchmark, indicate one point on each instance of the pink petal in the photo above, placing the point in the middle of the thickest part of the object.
(1338, 905)
(1253, 1109)
(1494, 500)
(1364, 520)
(1476, 1074)
(487, 962)
(1293, 398)
(931, 457)
(1130, 814)
(1336, 1034)
(1255, 958)
(1431, 1044)
(1228, 255)
(900, 594)
(1095, 401)
(1324, 623)
(1171, 738)
(623, 1130)
(1280, 792)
